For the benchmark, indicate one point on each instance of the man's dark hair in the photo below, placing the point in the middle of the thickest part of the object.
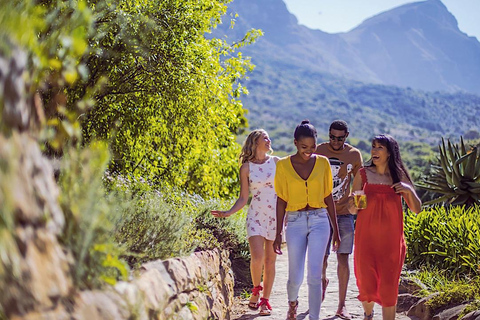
(339, 125)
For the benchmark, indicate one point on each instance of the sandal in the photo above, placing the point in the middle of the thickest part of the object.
(292, 310)
(369, 317)
(265, 308)
(343, 314)
(325, 282)
(255, 292)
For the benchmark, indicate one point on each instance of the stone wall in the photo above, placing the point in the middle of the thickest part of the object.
(196, 287)
(38, 283)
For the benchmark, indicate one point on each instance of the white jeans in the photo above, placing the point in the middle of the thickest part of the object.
(307, 229)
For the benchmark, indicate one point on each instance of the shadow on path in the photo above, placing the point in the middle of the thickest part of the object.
(279, 303)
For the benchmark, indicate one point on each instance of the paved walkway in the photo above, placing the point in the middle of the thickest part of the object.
(278, 299)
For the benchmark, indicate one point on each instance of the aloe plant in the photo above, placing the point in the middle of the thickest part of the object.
(456, 175)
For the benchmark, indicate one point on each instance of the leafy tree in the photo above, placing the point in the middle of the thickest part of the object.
(169, 100)
(170, 107)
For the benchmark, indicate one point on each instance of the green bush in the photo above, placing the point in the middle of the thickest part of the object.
(230, 232)
(454, 294)
(163, 223)
(151, 228)
(89, 218)
(444, 238)
(231, 235)
(449, 291)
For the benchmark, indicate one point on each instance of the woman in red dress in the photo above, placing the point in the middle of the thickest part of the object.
(379, 250)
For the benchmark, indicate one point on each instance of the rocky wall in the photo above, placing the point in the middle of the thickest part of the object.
(196, 287)
(37, 283)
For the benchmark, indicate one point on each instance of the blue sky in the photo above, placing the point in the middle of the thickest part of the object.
(342, 15)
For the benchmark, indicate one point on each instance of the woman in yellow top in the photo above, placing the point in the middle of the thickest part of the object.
(304, 184)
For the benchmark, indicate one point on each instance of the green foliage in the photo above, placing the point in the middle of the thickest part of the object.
(54, 37)
(166, 98)
(150, 228)
(230, 234)
(246, 294)
(167, 222)
(90, 217)
(434, 279)
(444, 238)
(456, 175)
(449, 291)
(455, 293)
(171, 106)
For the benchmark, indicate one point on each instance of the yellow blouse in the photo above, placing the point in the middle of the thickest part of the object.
(297, 192)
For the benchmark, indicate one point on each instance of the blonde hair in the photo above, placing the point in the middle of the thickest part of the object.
(249, 147)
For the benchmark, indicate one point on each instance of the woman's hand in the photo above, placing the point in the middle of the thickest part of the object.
(402, 187)
(408, 193)
(220, 214)
(277, 244)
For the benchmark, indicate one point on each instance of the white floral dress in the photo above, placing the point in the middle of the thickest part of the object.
(261, 217)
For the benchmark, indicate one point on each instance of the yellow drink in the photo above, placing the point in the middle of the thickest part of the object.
(360, 199)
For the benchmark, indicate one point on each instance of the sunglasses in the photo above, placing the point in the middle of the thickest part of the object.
(339, 139)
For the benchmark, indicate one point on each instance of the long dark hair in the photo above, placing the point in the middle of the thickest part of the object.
(395, 163)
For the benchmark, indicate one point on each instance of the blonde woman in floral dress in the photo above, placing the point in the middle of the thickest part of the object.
(257, 174)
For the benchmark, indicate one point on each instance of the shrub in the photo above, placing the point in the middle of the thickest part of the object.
(444, 238)
(89, 218)
(231, 235)
(167, 222)
(449, 290)
(150, 228)
(455, 293)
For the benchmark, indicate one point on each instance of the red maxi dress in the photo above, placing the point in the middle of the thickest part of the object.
(380, 247)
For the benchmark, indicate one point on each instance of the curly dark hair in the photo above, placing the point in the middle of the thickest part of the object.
(339, 125)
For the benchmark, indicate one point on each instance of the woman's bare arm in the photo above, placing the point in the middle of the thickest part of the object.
(243, 196)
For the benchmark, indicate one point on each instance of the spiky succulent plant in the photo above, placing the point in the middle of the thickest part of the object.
(455, 176)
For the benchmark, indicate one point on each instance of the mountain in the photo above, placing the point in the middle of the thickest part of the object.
(378, 77)
(416, 45)
(283, 95)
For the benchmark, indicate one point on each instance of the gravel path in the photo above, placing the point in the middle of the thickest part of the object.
(278, 299)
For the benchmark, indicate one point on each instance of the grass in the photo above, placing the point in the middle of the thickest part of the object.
(450, 290)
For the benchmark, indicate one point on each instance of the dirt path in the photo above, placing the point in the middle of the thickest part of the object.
(278, 299)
